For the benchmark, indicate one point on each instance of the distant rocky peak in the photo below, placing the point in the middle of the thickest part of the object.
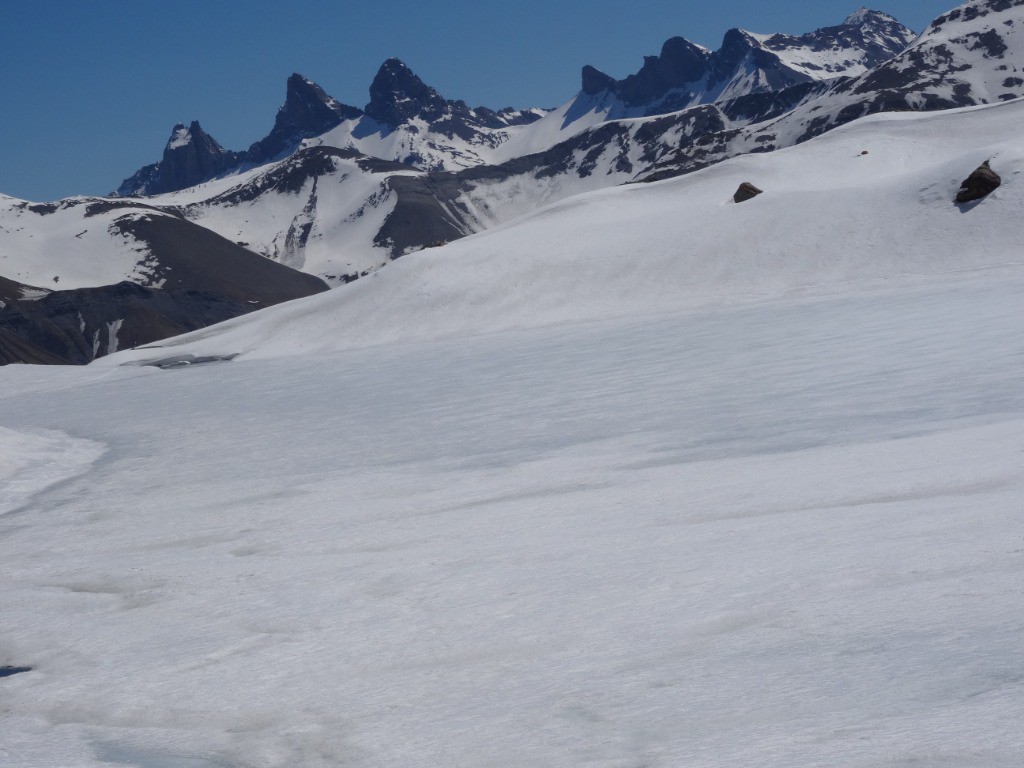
(192, 139)
(308, 108)
(863, 16)
(397, 95)
(307, 111)
(680, 63)
(594, 81)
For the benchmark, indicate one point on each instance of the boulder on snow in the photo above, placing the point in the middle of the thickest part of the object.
(745, 191)
(981, 182)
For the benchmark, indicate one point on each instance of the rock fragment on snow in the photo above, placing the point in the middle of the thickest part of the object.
(745, 191)
(980, 183)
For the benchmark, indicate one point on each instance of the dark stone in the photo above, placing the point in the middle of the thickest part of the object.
(745, 192)
(8, 671)
(980, 183)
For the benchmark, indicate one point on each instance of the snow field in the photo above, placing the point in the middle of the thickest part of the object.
(787, 532)
(30, 463)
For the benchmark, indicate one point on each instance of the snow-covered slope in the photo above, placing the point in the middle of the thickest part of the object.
(69, 244)
(868, 203)
(84, 276)
(648, 478)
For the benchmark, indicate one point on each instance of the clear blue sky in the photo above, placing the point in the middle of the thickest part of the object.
(90, 90)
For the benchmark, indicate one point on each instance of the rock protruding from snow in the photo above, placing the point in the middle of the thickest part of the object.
(982, 182)
(746, 191)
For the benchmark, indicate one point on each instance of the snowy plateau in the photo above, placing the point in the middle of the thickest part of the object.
(643, 477)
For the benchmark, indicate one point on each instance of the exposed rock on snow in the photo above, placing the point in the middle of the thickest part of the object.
(982, 181)
(745, 192)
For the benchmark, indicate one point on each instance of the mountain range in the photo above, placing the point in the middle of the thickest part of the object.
(335, 192)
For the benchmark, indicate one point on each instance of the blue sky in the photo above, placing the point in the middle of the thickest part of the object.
(91, 90)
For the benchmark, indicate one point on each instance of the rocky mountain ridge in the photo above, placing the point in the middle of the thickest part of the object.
(685, 74)
(410, 122)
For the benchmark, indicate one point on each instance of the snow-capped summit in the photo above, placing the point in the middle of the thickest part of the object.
(865, 15)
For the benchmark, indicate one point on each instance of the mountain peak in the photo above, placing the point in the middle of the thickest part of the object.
(863, 16)
(193, 135)
(679, 63)
(595, 81)
(307, 111)
(397, 94)
(307, 107)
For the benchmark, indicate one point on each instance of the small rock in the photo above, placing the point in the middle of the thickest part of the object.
(745, 191)
(980, 183)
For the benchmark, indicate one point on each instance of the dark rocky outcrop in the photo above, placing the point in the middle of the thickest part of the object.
(745, 191)
(75, 327)
(982, 182)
